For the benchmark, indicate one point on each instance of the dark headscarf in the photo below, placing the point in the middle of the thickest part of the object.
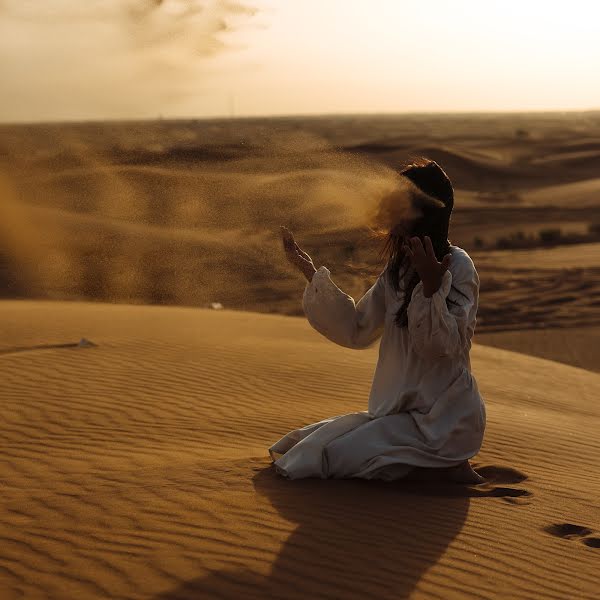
(433, 199)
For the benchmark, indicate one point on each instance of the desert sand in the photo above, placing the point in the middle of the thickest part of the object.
(136, 466)
(187, 212)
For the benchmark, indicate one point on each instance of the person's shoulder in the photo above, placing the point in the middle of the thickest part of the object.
(460, 254)
(461, 264)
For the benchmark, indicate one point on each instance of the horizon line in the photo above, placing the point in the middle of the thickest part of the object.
(159, 118)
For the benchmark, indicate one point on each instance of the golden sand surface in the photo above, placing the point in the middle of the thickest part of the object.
(136, 466)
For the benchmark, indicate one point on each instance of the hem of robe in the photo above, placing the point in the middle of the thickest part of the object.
(305, 452)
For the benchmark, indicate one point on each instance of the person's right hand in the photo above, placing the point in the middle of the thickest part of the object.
(425, 262)
(295, 255)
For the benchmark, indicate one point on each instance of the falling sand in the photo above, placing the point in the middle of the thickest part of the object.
(93, 227)
(134, 438)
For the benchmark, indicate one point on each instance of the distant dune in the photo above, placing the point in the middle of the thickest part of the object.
(571, 345)
(575, 256)
(187, 213)
(138, 468)
(471, 170)
(580, 194)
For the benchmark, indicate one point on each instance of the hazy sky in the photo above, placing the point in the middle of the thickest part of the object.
(67, 59)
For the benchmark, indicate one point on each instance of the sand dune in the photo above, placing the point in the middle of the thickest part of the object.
(575, 145)
(571, 345)
(138, 468)
(575, 256)
(540, 288)
(581, 159)
(188, 212)
(580, 194)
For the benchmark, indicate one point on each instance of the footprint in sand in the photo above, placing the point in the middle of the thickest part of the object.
(494, 485)
(494, 475)
(570, 531)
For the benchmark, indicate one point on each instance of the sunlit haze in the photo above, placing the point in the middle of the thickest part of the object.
(145, 58)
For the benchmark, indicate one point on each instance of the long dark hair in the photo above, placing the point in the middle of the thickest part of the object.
(432, 198)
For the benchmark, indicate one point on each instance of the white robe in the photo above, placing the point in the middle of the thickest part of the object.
(424, 409)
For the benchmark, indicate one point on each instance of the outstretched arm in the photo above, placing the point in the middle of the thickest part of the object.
(295, 255)
(334, 314)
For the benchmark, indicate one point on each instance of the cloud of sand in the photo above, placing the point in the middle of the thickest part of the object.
(20, 252)
(71, 60)
(157, 230)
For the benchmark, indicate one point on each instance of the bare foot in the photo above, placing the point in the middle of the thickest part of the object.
(463, 473)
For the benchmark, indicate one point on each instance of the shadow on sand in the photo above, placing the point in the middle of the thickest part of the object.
(355, 538)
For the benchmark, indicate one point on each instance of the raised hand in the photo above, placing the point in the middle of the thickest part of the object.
(295, 255)
(430, 270)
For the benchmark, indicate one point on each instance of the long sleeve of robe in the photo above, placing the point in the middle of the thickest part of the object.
(424, 406)
(355, 325)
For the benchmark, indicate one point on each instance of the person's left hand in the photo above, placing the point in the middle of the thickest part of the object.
(426, 264)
